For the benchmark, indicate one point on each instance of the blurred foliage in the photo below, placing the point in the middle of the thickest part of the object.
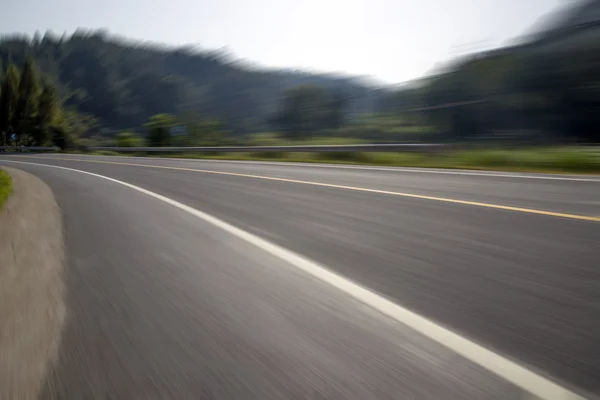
(529, 93)
(129, 139)
(31, 112)
(572, 159)
(123, 83)
(5, 187)
(307, 110)
(159, 127)
(90, 86)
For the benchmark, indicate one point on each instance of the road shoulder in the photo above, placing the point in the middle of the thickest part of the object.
(32, 308)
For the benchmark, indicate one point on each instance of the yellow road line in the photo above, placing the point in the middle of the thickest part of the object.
(330, 185)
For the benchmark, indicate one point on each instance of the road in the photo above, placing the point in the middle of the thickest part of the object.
(197, 294)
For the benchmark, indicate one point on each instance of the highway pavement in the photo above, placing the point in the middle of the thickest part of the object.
(234, 280)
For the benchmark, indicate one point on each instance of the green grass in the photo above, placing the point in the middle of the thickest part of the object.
(570, 160)
(107, 153)
(5, 187)
(552, 160)
(548, 159)
(272, 139)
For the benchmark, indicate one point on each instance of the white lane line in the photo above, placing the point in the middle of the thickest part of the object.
(416, 170)
(518, 375)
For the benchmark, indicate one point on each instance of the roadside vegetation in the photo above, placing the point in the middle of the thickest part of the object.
(514, 108)
(31, 110)
(5, 187)
(582, 160)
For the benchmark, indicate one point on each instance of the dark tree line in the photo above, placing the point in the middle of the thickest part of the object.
(122, 83)
(31, 113)
(308, 110)
(546, 89)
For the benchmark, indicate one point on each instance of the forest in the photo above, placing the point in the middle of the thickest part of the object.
(96, 88)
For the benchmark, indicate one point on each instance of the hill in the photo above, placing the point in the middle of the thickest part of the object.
(122, 83)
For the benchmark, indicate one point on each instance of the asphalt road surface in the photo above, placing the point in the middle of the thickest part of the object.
(198, 294)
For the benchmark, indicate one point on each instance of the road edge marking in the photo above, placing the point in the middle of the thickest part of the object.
(353, 188)
(529, 381)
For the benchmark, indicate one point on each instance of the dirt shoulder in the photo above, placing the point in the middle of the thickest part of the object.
(32, 310)
(5, 187)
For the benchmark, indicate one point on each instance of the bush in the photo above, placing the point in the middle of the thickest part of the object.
(405, 159)
(129, 139)
(106, 153)
(268, 154)
(351, 156)
(62, 139)
(5, 187)
(485, 158)
(560, 159)
(549, 159)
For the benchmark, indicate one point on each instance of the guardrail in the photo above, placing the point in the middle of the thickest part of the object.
(391, 147)
(388, 147)
(28, 148)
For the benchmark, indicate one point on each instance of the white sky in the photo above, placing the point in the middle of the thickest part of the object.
(392, 40)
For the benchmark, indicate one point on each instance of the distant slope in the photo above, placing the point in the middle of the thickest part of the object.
(122, 82)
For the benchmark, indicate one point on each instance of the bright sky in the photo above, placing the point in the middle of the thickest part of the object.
(391, 40)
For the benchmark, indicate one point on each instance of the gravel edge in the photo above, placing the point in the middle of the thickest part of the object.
(32, 290)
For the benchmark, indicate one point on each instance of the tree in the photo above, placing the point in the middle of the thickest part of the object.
(129, 139)
(304, 111)
(8, 102)
(37, 39)
(49, 105)
(122, 84)
(159, 129)
(27, 104)
(77, 124)
(61, 138)
(337, 108)
(211, 131)
(519, 90)
(200, 130)
(47, 116)
(70, 126)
